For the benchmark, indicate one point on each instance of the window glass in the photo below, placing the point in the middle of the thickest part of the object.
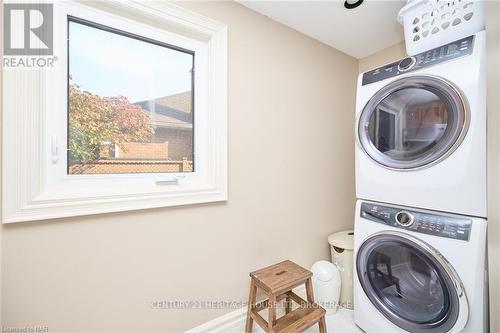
(130, 104)
(408, 283)
(408, 123)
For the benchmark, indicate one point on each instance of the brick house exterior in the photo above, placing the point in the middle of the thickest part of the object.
(134, 150)
(172, 119)
(170, 148)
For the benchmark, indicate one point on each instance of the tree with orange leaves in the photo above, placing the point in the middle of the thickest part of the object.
(95, 120)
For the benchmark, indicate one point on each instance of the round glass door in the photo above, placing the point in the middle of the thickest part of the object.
(413, 122)
(410, 284)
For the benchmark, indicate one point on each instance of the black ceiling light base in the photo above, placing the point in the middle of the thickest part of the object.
(353, 5)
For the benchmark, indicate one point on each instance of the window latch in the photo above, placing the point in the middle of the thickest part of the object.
(54, 149)
(174, 180)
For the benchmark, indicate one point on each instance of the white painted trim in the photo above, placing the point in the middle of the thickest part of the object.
(230, 322)
(234, 321)
(1, 139)
(342, 321)
(32, 191)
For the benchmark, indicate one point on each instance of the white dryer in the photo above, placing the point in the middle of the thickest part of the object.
(419, 271)
(421, 130)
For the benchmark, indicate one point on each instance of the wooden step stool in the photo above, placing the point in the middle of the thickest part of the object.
(277, 281)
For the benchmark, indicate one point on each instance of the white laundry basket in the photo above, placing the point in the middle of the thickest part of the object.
(432, 23)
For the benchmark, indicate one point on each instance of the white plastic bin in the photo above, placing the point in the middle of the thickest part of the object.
(326, 284)
(341, 246)
(432, 23)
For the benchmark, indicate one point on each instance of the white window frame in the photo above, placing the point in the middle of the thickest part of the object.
(35, 184)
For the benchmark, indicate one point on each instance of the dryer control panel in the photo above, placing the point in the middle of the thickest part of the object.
(440, 54)
(417, 221)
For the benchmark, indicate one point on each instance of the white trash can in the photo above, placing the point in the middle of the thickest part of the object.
(326, 285)
(341, 246)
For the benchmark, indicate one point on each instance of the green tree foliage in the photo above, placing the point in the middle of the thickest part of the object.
(94, 120)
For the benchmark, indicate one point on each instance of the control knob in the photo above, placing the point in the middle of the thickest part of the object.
(406, 64)
(404, 219)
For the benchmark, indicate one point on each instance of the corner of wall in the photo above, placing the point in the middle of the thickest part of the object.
(385, 56)
(493, 103)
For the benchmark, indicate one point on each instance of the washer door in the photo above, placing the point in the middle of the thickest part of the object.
(413, 122)
(411, 283)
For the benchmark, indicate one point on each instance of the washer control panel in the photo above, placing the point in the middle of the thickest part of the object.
(406, 64)
(440, 54)
(426, 223)
(404, 218)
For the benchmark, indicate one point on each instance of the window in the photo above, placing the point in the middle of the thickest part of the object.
(135, 116)
(131, 116)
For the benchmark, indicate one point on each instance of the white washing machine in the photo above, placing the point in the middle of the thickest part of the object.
(419, 271)
(421, 130)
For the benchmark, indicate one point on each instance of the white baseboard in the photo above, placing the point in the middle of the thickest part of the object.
(341, 321)
(230, 322)
(233, 321)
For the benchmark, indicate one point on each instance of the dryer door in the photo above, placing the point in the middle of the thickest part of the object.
(413, 122)
(411, 283)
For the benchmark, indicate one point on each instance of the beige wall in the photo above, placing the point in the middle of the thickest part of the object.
(493, 67)
(383, 57)
(291, 183)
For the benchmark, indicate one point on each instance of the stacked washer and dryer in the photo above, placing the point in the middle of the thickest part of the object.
(420, 226)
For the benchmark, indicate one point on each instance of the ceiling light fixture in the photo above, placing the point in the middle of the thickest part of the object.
(351, 4)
